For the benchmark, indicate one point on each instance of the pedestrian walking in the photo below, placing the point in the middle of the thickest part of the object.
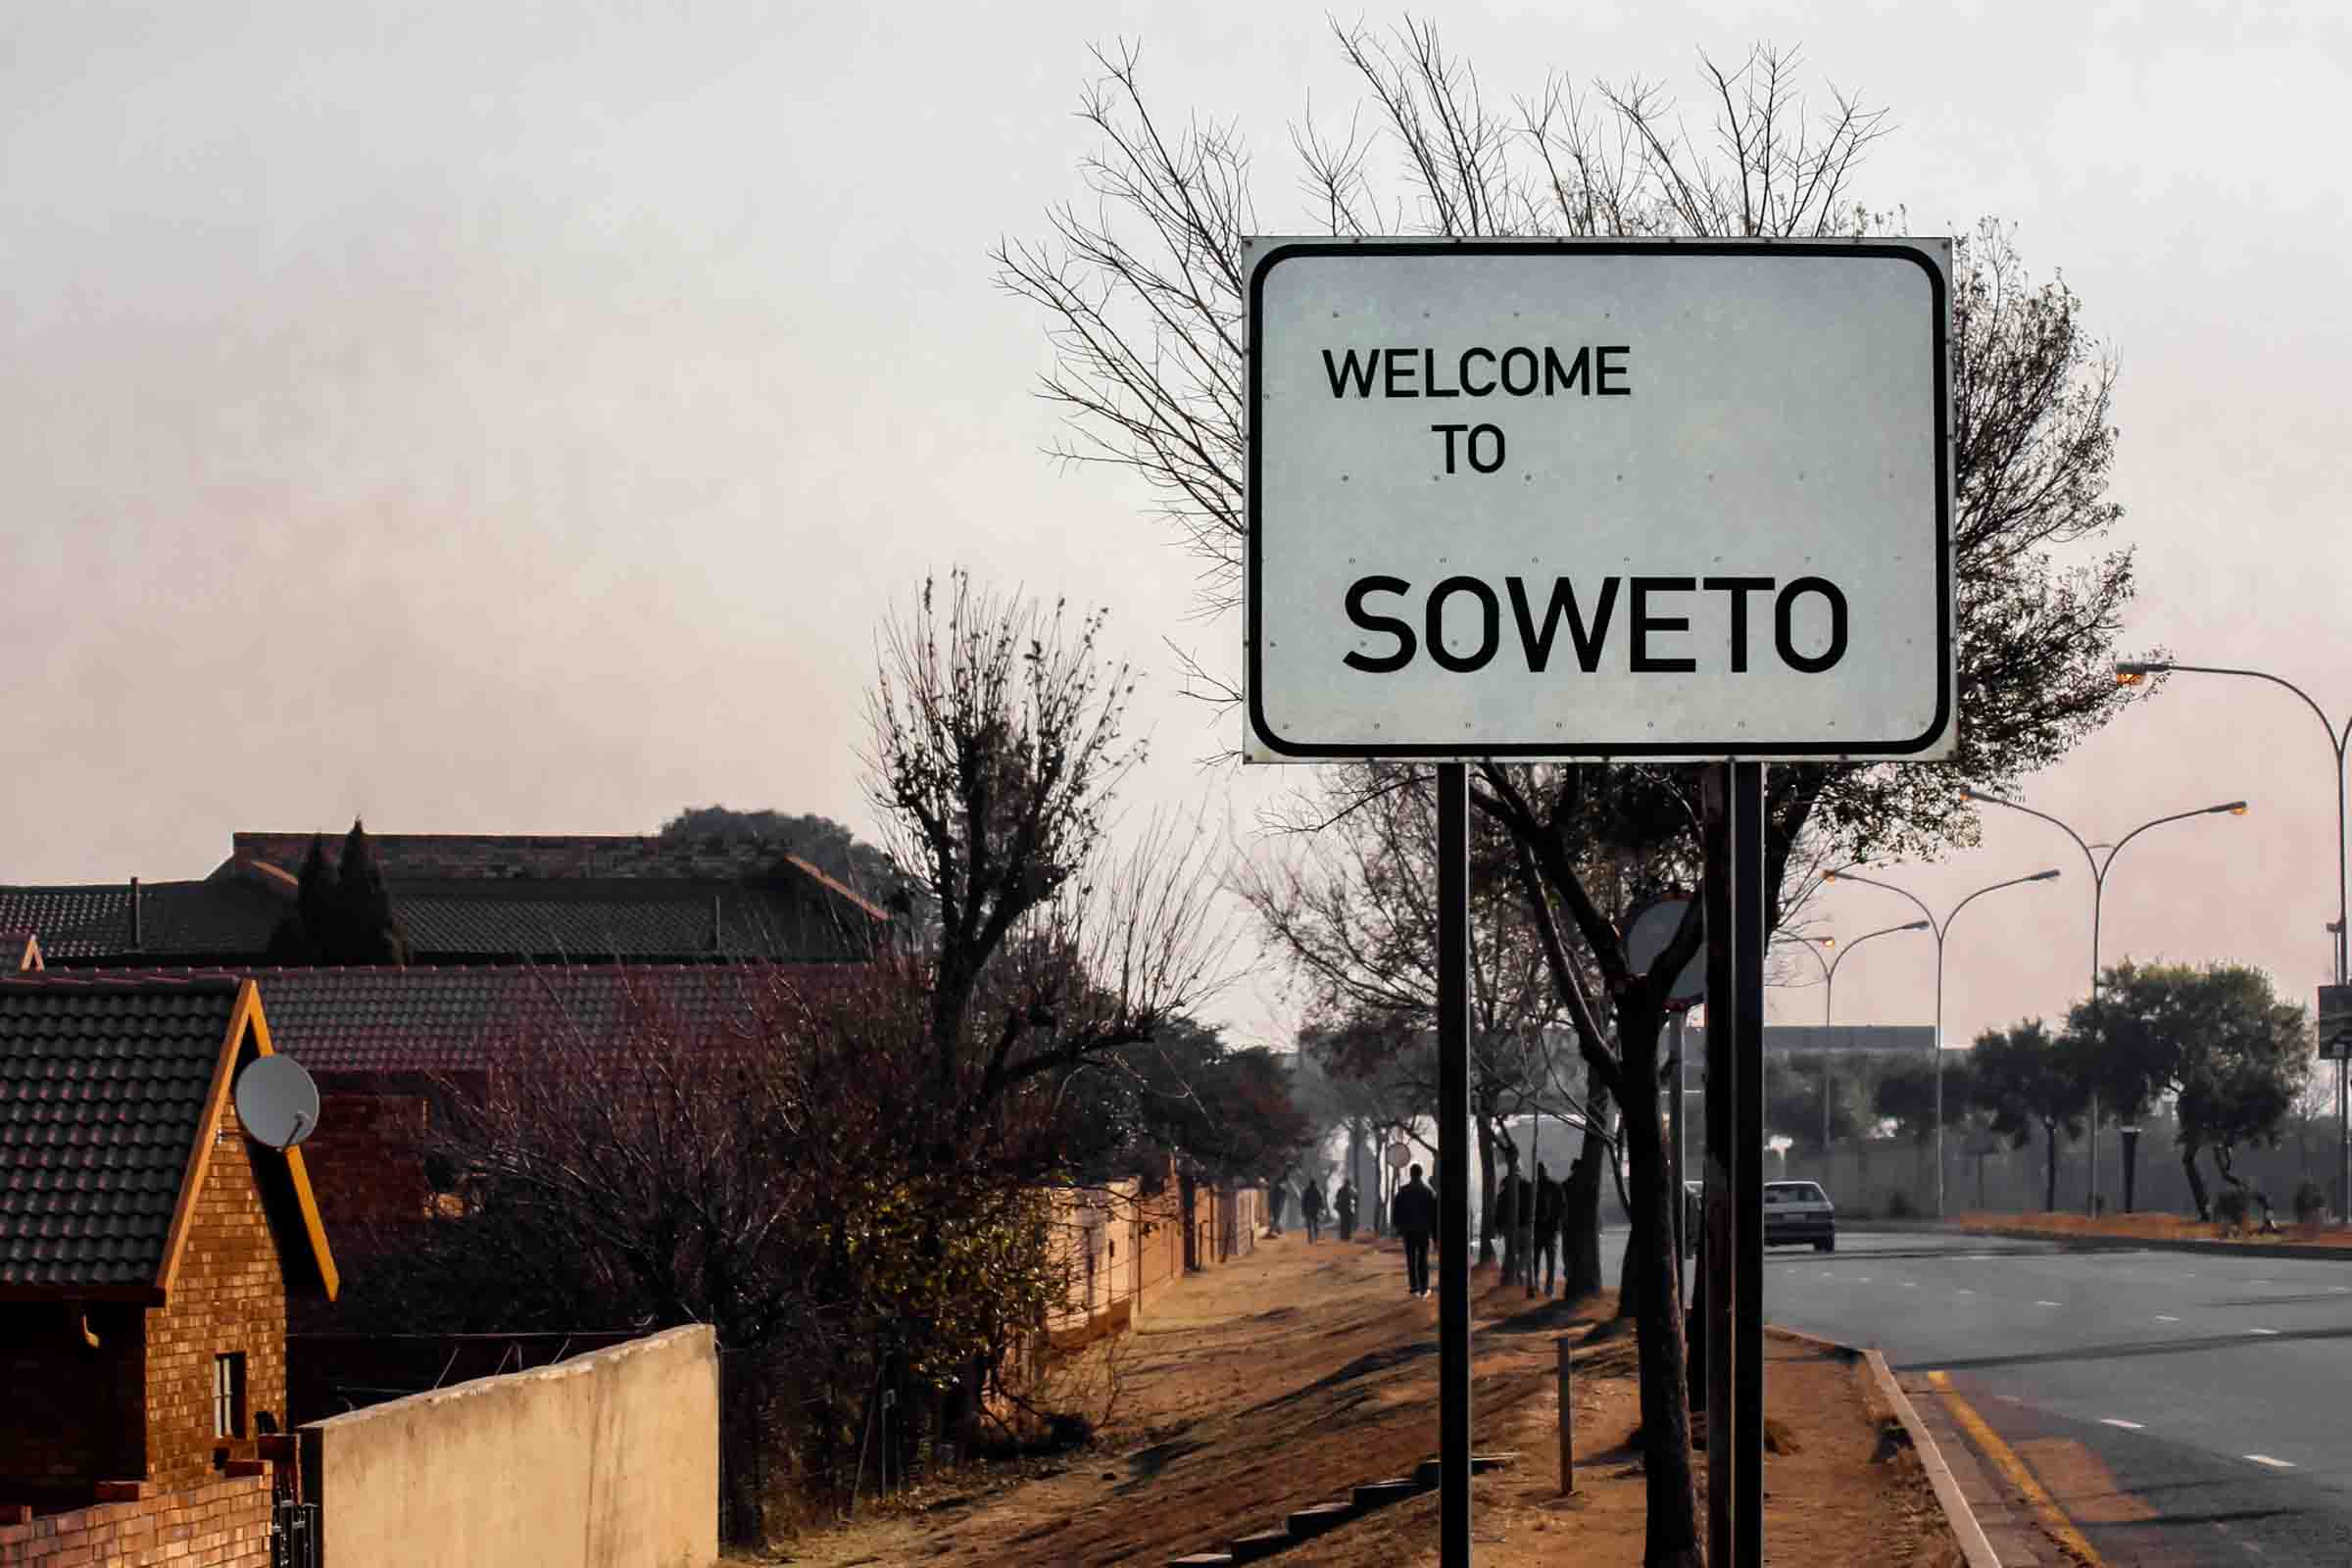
(1510, 1214)
(1310, 1208)
(1413, 1216)
(1551, 1204)
(1277, 1196)
(1344, 1204)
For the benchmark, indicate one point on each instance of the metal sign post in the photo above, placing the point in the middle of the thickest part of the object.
(1453, 1166)
(1723, 1076)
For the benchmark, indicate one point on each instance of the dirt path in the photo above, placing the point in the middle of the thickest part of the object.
(1286, 1379)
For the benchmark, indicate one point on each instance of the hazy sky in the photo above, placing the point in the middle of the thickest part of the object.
(516, 418)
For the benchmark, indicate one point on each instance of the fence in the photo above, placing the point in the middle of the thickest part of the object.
(1873, 1176)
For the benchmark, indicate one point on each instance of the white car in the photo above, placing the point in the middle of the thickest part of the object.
(1796, 1212)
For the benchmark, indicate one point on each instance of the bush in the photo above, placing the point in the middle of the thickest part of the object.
(2311, 1201)
(2230, 1206)
(1901, 1206)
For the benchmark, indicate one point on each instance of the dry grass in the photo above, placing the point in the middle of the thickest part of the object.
(2153, 1228)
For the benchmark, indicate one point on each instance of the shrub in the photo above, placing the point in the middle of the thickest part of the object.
(2230, 1206)
(2311, 1201)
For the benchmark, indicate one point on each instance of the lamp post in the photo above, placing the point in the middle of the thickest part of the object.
(2131, 673)
(2099, 894)
(1829, 997)
(1942, 931)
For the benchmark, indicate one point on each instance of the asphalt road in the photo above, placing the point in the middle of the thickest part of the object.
(2180, 1408)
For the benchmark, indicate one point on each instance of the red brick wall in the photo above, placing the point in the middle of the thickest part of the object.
(71, 1415)
(229, 1296)
(224, 1525)
(365, 1160)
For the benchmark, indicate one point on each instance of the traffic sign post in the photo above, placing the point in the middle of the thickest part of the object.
(2335, 1014)
(1606, 500)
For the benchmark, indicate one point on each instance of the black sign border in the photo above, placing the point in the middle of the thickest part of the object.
(1253, 633)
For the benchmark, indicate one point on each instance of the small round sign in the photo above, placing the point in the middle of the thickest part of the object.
(1399, 1155)
(1647, 937)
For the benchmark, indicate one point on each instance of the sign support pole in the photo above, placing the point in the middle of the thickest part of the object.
(1454, 1165)
(1748, 1179)
(1715, 1245)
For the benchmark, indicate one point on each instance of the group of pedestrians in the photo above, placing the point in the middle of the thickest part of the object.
(1529, 1213)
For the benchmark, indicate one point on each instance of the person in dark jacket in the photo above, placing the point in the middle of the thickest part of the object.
(1344, 1202)
(1512, 1199)
(1310, 1207)
(1551, 1206)
(1413, 1215)
(1276, 1196)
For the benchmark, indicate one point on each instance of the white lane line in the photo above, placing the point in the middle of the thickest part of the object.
(1827, 1275)
(2341, 1289)
(2128, 1426)
(2049, 1303)
(2162, 1318)
(1964, 1290)
(2262, 1331)
(2258, 1282)
(1910, 1285)
(1862, 1279)
(2275, 1464)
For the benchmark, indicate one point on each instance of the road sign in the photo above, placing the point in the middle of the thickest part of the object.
(1399, 1155)
(1647, 936)
(2335, 1023)
(1590, 499)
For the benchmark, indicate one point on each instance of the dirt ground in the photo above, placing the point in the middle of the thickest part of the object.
(1286, 1379)
(2156, 1228)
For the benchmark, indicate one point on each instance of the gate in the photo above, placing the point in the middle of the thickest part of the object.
(294, 1535)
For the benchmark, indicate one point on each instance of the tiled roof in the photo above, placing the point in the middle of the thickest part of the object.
(176, 919)
(464, 1018)
(103, 1092)
(623, 918)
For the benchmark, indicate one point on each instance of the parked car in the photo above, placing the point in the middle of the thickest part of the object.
(1796, 1212)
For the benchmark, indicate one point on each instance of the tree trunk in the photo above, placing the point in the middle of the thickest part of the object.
(2196, 1183)
(1186, 1189)
(2049, 1193)
(1580, 1222)
(1673, 1495)
(1485, 1189)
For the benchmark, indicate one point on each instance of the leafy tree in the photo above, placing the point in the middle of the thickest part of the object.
(2025, 1078)
(1905, 1094)
(2218, 1040)
(1142, 290)
(342, 911)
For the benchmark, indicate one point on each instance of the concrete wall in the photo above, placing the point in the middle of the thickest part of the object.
(607, 1461)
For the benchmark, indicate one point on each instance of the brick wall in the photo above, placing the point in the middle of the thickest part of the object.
(223, 1525)
(366, 1159)
(229, 1296)
(71, 1414)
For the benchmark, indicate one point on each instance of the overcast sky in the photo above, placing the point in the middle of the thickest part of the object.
(515, 418)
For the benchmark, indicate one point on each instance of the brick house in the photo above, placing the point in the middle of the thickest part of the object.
(147, 1247)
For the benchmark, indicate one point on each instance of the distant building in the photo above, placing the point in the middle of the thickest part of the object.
(147, 1245)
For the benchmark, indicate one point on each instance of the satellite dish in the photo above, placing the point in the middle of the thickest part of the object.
(1399, 1155)
(1647, 936)
(277, 1101)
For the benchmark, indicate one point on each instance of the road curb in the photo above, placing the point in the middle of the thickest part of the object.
(1975, 1549)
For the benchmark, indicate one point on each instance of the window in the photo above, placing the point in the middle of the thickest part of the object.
(228, 1395)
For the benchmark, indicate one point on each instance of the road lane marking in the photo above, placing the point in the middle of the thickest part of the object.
(2275, 1464)
(2341, 1289)
(1862, 1279)
(2258, 1282)
(2162, 1318)
(1910, 1285)
(2128, 1426)
(2262, 1331)
(1990, 1443)
(1964, 1290)
(2049, 1303)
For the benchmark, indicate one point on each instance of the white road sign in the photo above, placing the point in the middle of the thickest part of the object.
(1590, 499)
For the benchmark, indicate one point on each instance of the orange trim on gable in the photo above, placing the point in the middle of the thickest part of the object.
(304, 1201)
(191, 1179)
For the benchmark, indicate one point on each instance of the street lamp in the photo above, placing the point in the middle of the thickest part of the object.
(2131, 673)
(1828, 995)
(2099, 894)
(1942, 931)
